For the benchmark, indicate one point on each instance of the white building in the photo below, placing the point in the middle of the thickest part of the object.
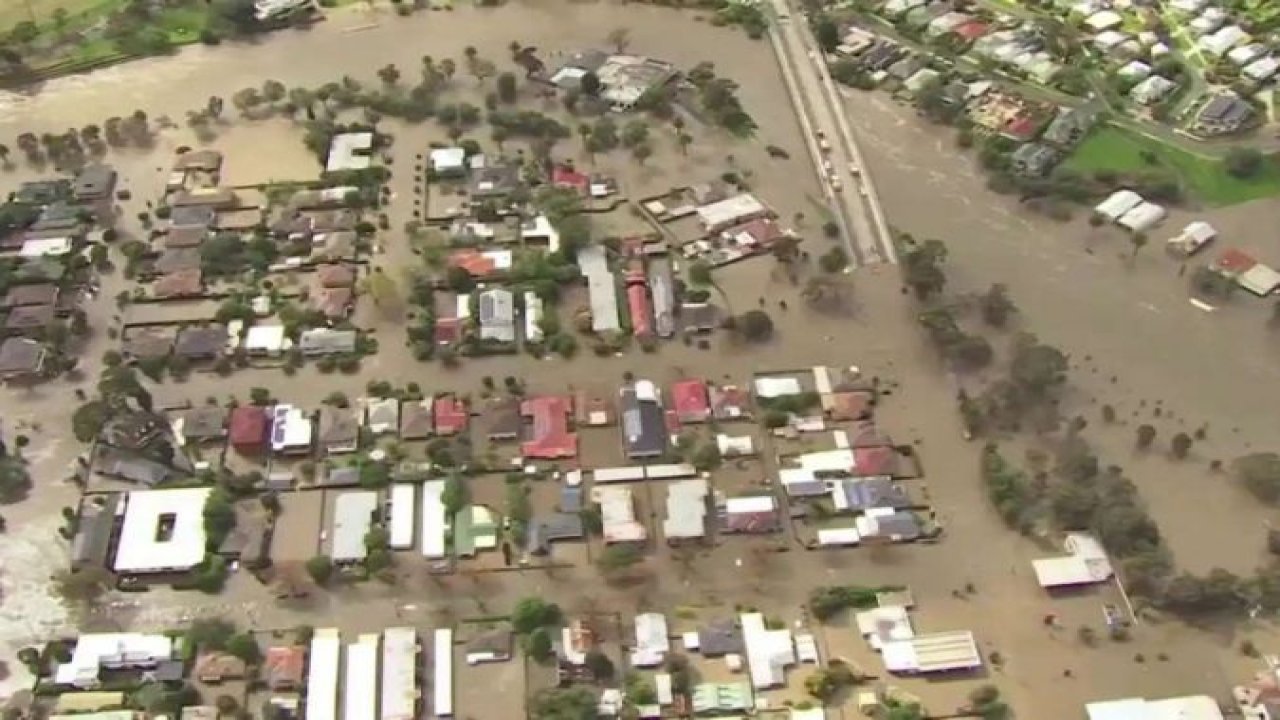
(769, 652)
(1152, 90)
(382, 415)
(1117, 204)
(322, 675)
(497, 315)
(1104, 20)
(350, 151)
(1220, 42)
(291, 430)
(1142, 218)
(652, 640)
(434, 523)
(111, 651)
(1192, 707)
(1193, 238)
(41, 247)
(686, 510)
(399, 674)
(267, 340)
(1262, 68)
(618, 514)
(540, 231)
(448, 161)
(1086, 564)
(442, 686)
(360, 686)
(935, 652)
(163, 531)
(740, 208)
(352, 518)
(404, 507)
(533, 310)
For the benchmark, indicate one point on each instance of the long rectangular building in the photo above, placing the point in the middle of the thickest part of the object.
(403, 506)
(442, 686)
(360, 689)
(322, 677)
(399, 674)
(433, 519)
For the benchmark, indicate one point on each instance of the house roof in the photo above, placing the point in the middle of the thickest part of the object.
(720, 637)
(730, 402)
(546, 529)
(29, 317)
(94, 181)
(643, 419)
(284, 665)
(248, 426)
(877, 460)
(501, 419)
(450, 415)
(326, 341)
(851, 405)
(180, 283)
(751, 514)
(1234, 261)
(339, 427)
(549, 437)
(870, 492)
(214, 667)
(207, 160)
(690, 400)
(477, 263)
(185, 237)
(201, 341)
(191, 218)
(415, 419)
(333, 302)
(700, 316)
(205, 421)
(174, 259)
(336, 275)
(36, 294)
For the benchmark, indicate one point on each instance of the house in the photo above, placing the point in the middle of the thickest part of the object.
(35, 294)
(643, 420)
(932, 653)
(475, 529)
(889, 525)
(686, 511)
(1192, 239)
(618, 514)
(95, 526)
(291, 430)
(324, 341)
(491, 646)
(186, 237)
(1245, 54)
(699, 317)
(339, 430)
(852, 495)
(1142, 218)
(769, 652)
(176, 259)
(353, 516)
(1191, 707)
(133, 468)
(382, 415)
(638, 306)
(534, 309)
(652, 641)
(203, 342)
(602, 289)
(1068, 127)
(96, 652)
(752, 514)
(540, 232)
(481, 263)
(731, 211)
(30, 320)
(350, 151)
(179, 284)
(494, 181)
(162, 532)
(450, 415)
(94, 184)
(553, 527)
(1034, 159)
(848, 405)
(450, 162)
(416, 421)
(20, 358)
(719, 638)
(200, 424)
(497, 315)
(1223, 40)
(265, 340)
(213, 668)
(283, 667)
(662, 289)
(1117, 204)
(722, 698)
(730, 402)
(1086, 563)
(247, 429)
(549, 436)
(1262, 69)
(192, 217)
(1104, 20)
(690, 401)
(1223, 114)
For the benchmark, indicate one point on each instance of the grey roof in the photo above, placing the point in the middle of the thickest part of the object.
(496, 641)
(1225, 109)
(175, 259)
(643, 426)
(602, 288)
(546, 529)
(873, 492)
(352, 517)
(29, 317)
(20, 355)
(502, 419)
(92, 542)
(589, 60)
(720, 637)
(339, 427)
(149, 342)
(699, 316)
(662, 287)
(59, 215)
(809, 488)
(571, 498)
(494, 181)
(341, 477)
(415, 419)
(497, 315)
(1034, 158)
(201, 342)
(686, 510)
(95, 181)
(206, 421)
(901, 525)
(192, 216)
(134, 469)
(1068, 127)
(323, 341)
(42, 192)
(33, 294)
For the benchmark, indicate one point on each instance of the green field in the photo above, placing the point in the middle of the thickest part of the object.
(1204, 178)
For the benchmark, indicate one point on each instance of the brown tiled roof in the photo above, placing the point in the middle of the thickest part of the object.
(182, 283)
(41, 294)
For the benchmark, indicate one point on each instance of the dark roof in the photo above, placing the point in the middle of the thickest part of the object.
(175, 259)
(496, 641)
(1068, 126)
(29, 317)
(206, 421)
(42, 192)
(20, 355)
(59, 215)
(571, 498)
(323, 341)
(502, 420)
(415, 419)
(149, 342)
(341, 476)
(94, 181)
(339, 427)
(720, 637)
(134, 468)
(92, 542)
(699, 316)
(644, 427)
(494, 180)
(191, 216)
(901, 525)
(179, 283)
(201, 342)
(37, 294)
(1225, 109)
(873, 492)
(207, 160)
(248, 426)
(546, 529)
(185, 237)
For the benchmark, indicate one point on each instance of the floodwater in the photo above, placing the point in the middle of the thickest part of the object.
(1128, 320)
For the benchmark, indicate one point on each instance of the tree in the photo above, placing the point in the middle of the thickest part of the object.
(700, 273)
(1180, 446)
(997, 306)
(82, 587)
(619, 38)
(320, 568)
(507, 87)
(1138, 240)
(448, 68)
(455, 495)
(1260, 475)
(244, 647)
(533, 612)
(537, 644)
(599, 664)
(642, 152)
(922, 267)
(1243, 162)
(834, 260)
(219, 517)
(1146, 436)
(226, 704)
(389, 74)
(576, 702)
(618, 557)
(589, 83)
(88, 419)
(211, 633)
(755, 325)
(827, 32)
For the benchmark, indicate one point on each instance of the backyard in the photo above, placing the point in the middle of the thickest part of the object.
(1205, 179)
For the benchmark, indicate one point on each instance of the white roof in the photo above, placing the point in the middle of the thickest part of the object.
(383, 415)
(835, 537)
(618, 474)
(1152, 89)
(540, 228)
(935, 652)
(447, 159)
(360, 686)
(1263, 68)
(346, 151)
(1104, 20)
(618, 514)
(669, 471)
(884, 624)
(735, 444)
(1196, 233)
(322, 675)
(806, 648)
(442, 687)
(1108, 39)
(1188, 6)
(264, 338)
(769, 652)
(434, 521)
(1192, 707)
(730, 211)
(1223, 40)
(39, 247)
(771, 387)
(750, 504)
(1143, 217)
(1118, 203)
(686, 509)
(94, 651)
(837, 460)
(399, 673)
(1261, 280)
(352, 518)
(291, 428)
(1246, 54)
(1135, 69)
(532, 317)
(404, 499)
(181, 511)
(652, 642)
(602, 293)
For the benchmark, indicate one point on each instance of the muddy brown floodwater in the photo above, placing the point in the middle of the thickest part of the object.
(1116, 318)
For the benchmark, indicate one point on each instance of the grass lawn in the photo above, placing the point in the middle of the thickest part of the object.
(13, 12)
(1204, 178)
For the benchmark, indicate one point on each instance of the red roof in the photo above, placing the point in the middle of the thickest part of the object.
(566, 177)
(451, 415)
(690, 400)
(474, 262)
(447, 331)
(1234, 262)
(729, 402)
(752, 522)
(284, 667)
(851, 405)
(971, 30)
(247, 428)
(761, 231)
(641, 312)
(1021, 127)
(550, 436)
(880, 460)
